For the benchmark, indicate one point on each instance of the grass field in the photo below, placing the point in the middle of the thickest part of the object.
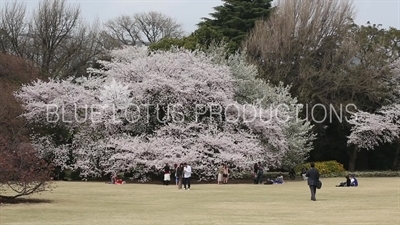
(375, 201)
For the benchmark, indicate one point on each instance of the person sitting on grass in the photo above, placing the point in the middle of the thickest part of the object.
(353, 181)
(279, 179)
(119, 181)
(269, 182)
(345, 184)
(303, 173)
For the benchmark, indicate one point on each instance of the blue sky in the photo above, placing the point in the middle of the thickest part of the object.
(189, 12)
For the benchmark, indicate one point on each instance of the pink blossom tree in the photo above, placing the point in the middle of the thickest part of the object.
(370, 130)
(144, 109)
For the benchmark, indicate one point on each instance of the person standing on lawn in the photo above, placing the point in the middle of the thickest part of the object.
(220, 172)
(255, 169)
(176, 176)
(313, 180)
(225, 174)
(187, 173)
(260, 173)
(167, 174)
(179, 174)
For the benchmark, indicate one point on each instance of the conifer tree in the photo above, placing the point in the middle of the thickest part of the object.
(235, 18)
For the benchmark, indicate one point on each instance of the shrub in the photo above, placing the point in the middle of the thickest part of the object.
(363, 174)
(22, 172)
(326, 167)
(376, 174)
(75, 175)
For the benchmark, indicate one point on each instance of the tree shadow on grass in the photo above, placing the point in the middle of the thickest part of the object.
(9, 201)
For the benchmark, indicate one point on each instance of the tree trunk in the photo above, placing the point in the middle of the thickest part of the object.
(395, 165)
(352, 161)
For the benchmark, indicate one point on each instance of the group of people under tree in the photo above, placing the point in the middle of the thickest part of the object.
(258, 173)
(183, 173)
(223, 173)
(116, 180)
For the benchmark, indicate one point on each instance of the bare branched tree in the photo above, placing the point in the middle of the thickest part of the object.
(55, 38)
(13, 28)
(155, 26)
(60, 38)
(122, 30)
(142, 28)
(310, 44)
(53, 25)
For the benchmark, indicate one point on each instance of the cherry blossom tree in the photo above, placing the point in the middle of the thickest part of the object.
(144, 109)
(373, 129)
(370, 130)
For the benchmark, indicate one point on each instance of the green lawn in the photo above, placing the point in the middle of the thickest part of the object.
(376, 201)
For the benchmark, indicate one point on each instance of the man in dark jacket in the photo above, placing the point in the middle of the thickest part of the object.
(313, 180)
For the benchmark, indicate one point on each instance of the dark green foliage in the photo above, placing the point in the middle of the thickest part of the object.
(75, 175)
(230, 23)
(205, 35)
(370, 36)
(190, 43)
(233, 20)
(377, 174)
(199, 39)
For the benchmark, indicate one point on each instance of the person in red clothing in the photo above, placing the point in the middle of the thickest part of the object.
(119, 181)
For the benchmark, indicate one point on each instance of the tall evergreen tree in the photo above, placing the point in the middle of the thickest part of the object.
(235, 18)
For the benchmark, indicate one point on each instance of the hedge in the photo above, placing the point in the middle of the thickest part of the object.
(329, 175)
(326, 167)
(367, 174)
